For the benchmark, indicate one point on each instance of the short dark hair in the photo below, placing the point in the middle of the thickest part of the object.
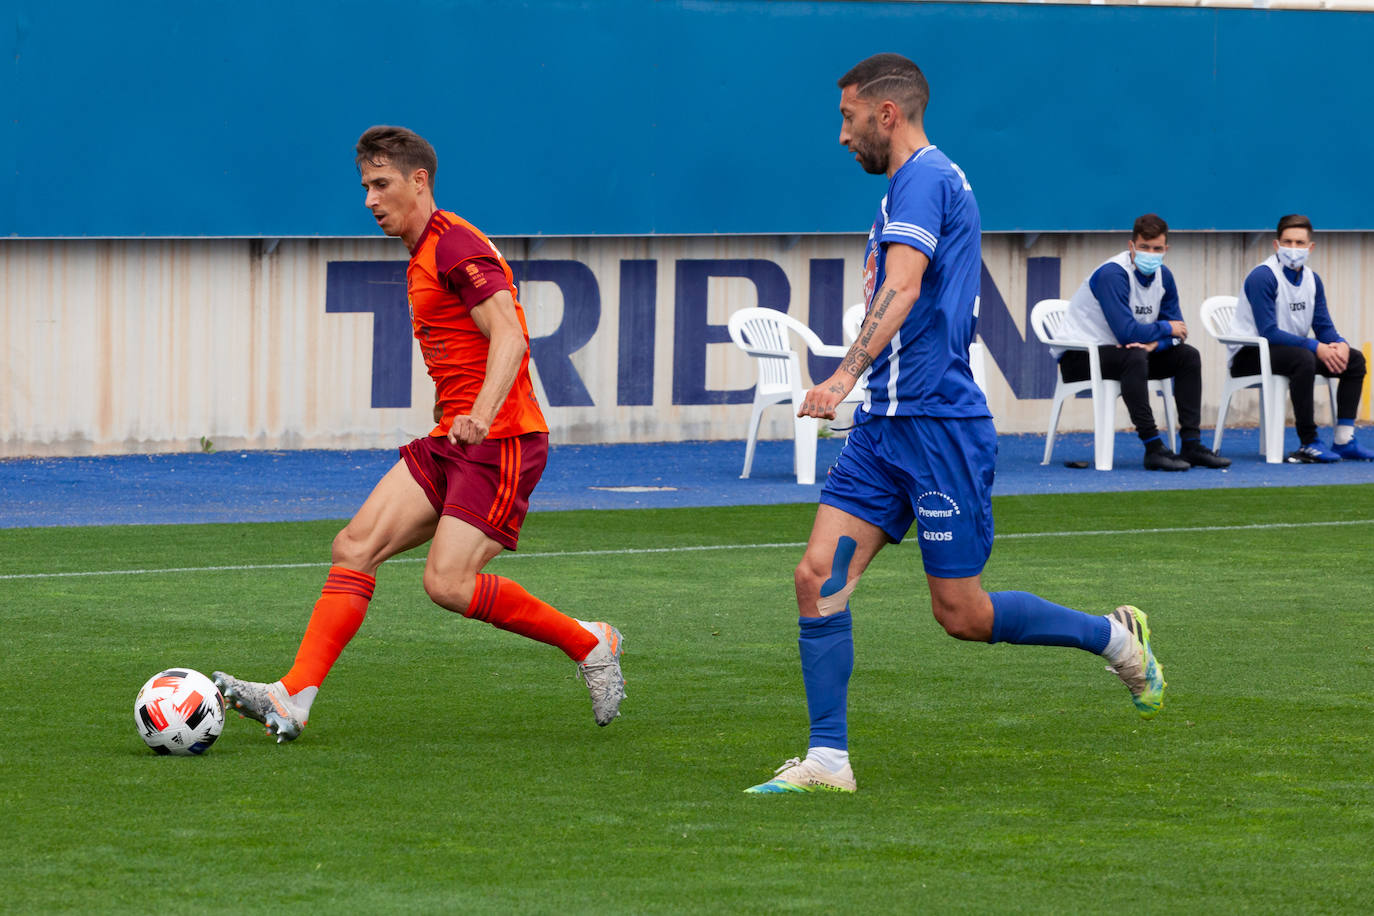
(891, 76)
(1293, 221)
(399, 147)
(1150, 226)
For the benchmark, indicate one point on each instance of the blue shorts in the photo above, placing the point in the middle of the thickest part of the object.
(935, 471)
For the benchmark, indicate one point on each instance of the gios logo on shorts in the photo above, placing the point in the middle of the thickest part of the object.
(935, 512)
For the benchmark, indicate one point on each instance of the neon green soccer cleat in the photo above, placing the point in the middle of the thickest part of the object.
(1138, 669)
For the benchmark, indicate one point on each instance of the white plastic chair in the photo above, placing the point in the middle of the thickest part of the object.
(765, 334)
(977, 352)
(1217, 315)
(1047, 318)
(852, 321)
(978, 363)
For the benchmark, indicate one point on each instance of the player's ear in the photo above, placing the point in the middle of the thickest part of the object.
(887, 113)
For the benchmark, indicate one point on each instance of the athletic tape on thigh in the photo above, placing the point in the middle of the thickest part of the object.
(836, 590)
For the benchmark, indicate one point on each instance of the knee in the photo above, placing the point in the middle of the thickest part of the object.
(962, 618)
(1356, 366)
(350, 550)
(1189, 359)
(808, 578)
(1304, 366)
(1135, 362)
(451, 592)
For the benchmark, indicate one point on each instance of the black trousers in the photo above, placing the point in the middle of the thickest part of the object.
(1133, 368)
(1302, 368)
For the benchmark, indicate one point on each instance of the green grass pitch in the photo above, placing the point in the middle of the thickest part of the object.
(450, 767)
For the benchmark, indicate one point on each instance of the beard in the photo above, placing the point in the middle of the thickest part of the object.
(873, 162)
(873, 154)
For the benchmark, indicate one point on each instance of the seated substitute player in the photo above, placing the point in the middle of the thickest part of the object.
(1129, 308)
(923, 446)
(1284, 302)
(466, 486)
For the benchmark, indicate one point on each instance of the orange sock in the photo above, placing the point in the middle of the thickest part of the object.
(506, 606)
(336, 618)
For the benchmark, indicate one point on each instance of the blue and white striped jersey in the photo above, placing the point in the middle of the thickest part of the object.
(925, 371)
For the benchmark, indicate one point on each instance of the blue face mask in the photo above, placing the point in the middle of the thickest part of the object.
(1147, 262)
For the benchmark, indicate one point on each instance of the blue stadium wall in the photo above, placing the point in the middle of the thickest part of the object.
(678, 117)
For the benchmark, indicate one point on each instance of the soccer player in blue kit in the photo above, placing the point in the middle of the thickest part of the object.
(923, 447)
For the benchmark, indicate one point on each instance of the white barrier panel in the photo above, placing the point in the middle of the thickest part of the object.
(149, 345)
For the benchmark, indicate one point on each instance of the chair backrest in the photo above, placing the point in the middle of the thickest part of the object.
(1047, 318)
(853, 320)
(765, 335)
(1217, 313)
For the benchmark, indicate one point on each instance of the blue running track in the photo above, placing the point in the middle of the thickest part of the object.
(303, 485)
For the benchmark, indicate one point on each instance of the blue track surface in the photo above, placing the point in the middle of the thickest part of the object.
(285, 486)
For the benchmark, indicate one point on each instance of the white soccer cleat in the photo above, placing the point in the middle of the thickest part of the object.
(600, 670)
(798, 775)
(270, 704)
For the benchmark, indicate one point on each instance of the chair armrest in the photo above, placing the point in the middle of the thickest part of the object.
(837, 351)
(1072, 344)
(771, 354)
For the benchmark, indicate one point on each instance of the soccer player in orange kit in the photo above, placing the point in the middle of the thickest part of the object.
(465, 487)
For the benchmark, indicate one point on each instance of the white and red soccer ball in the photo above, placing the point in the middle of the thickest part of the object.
(179, 711)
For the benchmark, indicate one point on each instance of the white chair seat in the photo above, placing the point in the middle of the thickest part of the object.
(765, 334)
(1047, 320)
(1217, 315)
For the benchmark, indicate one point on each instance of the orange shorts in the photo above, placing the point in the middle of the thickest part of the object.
(487, 485)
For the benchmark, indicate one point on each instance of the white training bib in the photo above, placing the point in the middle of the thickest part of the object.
(1085, 319)
(1293, 306)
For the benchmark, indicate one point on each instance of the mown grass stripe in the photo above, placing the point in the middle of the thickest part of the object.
(631, 551)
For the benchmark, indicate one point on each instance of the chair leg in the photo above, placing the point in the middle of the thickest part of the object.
(1331, 384)
(1166, 392)
(1222, 410)
(752, 438)
(804, 451)
(1104, 423)
(1055, 410)
(1275, 399)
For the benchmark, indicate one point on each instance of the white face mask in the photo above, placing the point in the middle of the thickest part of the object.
(1293, 258)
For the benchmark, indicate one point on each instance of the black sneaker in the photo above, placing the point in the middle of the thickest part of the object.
(1200, 456)
(1165, 460)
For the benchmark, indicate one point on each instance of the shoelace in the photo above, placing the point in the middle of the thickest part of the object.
(603, 687)
(792, 762)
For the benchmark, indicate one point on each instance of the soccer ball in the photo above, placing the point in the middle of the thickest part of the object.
(179, 711)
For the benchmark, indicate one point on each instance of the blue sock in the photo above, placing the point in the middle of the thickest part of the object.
(827, 660)
(1029, 620)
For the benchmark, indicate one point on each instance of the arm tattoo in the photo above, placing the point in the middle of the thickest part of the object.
(875, 315)
(858, 359)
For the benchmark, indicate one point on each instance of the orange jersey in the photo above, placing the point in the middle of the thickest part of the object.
(453, 268)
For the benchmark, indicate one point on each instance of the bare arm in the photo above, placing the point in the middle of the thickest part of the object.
(495, 317)
(901, 287)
